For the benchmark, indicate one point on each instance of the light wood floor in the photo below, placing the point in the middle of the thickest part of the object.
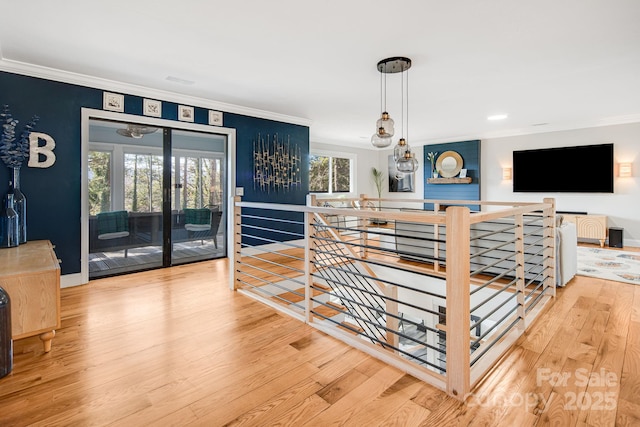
(177, 347)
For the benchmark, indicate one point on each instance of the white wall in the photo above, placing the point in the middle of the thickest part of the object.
(622, 207)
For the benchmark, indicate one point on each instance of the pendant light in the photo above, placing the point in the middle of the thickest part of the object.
(385, 124)
(405, 159)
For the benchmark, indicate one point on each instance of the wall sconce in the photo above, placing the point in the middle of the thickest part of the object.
(506, 173)
(624, 170)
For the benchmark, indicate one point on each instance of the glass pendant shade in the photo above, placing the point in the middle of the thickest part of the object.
(386, 123)
(400, 148)
(407, 164)
(381, 139)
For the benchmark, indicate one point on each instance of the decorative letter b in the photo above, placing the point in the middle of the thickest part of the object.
(35, 150)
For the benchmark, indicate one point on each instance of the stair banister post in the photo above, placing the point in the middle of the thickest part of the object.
(520, 284)
(550, 244)
(309, 244)
(362, 226)
(237, 241)
(458, 305)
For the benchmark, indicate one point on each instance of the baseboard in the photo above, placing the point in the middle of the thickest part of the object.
(70, 280)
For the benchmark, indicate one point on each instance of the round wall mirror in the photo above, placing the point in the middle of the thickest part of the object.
(449, 164)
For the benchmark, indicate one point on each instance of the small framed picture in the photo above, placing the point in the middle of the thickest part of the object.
(215, 118)
(113, 102)
(185, 113)
(151, 107)
(463, 173)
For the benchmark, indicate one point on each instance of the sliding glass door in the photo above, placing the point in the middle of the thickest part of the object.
(156, 197)
(197, 181)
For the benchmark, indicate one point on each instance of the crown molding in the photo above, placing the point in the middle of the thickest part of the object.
(47, 73)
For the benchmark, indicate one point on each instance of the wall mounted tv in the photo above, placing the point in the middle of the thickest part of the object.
(578, 169)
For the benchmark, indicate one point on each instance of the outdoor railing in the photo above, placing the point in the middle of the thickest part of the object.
(439, 294)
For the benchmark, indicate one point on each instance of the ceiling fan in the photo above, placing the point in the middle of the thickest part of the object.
(136, 131)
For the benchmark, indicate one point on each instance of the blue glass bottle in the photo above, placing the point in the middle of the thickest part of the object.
(20, 206)
(9, 236)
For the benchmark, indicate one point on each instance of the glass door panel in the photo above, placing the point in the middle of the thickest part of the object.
(198, 177)
(125, 198)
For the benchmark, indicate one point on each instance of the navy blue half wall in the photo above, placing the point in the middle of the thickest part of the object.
(54, 193)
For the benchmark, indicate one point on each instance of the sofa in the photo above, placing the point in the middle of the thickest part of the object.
(491, 247)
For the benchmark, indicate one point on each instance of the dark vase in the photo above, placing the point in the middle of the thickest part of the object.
(20, 206)
(6, 340)
(9, 223)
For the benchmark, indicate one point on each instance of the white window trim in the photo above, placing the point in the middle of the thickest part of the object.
(352, 173)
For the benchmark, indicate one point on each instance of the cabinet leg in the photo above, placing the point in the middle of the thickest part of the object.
(46, 340)
(602, 243)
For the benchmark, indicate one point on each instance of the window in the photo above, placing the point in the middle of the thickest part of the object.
(331, 173)
(99, 182)
(127, 178)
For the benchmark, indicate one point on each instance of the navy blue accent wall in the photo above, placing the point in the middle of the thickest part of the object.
(247, 130)
(53, 194)
(470, 153)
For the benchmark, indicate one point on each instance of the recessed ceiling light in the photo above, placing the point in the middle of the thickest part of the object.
(179, 80)
(497, 117)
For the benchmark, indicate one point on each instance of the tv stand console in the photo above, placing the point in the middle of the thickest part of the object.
(589, 226)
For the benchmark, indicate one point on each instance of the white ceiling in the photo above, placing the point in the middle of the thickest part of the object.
(548, 64)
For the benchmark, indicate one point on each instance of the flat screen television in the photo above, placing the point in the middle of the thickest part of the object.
(578, 169)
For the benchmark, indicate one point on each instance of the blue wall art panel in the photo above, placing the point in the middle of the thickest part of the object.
(469, 151)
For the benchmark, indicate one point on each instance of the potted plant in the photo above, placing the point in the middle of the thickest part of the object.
(378, 180)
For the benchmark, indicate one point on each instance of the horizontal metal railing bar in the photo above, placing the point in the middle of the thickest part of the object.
(493, 264)
(386, 329)
(351, 243)
(492, 296)
(492, 248)
(535, 244)
(417, 234)
(486, 316)
(285, 242)
(346, 277)
(378, 279)
(269, 251)
(398, 317)
(355, 230)
(302, 283)
(376, 262)
(272, 219)
(275, 296)
(494, 326)
(386, 298)
(492, 280)
(273, 230)
(535, 289)
(426, 258)
(288, 267)
(537, 253)
(492, 232)
(530, 271)
(268, 282)
(535, 301)
(486, 348)
(382, 343)
(264, 292)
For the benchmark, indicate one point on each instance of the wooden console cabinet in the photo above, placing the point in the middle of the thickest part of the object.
(30, 273)
(589, 226)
